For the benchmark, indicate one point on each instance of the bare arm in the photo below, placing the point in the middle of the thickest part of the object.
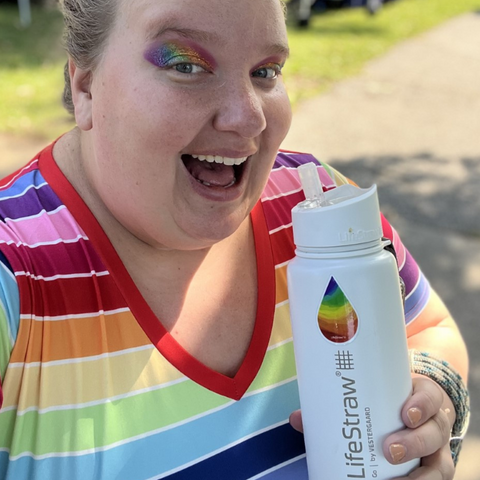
(436, 332)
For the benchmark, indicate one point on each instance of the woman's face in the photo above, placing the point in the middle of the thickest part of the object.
(182, 83)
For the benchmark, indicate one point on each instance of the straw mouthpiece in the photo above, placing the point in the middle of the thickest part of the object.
(311, 183)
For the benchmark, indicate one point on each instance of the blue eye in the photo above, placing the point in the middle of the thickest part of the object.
(269, 72)
(188, 68)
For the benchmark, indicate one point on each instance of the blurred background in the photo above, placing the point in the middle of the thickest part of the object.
(388, 92)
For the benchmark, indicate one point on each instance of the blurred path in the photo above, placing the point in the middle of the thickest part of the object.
(17, 151)
(411, 123)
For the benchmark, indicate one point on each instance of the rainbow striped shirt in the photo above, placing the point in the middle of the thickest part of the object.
(95, 388)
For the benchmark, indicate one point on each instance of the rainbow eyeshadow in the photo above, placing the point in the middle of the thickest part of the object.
(172, 53)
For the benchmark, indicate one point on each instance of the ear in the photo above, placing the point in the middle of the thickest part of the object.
(80, 81)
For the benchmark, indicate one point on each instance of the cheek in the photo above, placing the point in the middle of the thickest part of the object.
(149, 117)
(168, 115)
(279, 114)
(134, 98)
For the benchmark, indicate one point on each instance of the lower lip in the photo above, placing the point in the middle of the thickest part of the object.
(219, 194)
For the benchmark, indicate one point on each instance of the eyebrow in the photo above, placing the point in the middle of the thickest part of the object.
(171, 26)
(279, 49)
(191, 33)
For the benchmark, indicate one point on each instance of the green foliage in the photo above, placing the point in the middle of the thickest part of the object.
(335, 45)
(31, 74)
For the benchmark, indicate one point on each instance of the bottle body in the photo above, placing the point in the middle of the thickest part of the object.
(352, 360)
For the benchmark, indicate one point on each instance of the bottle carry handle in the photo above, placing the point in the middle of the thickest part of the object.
(390, 248)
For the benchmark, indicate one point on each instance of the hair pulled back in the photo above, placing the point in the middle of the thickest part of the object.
(87, 26)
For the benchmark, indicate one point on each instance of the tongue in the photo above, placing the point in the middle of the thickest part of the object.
(215, 174)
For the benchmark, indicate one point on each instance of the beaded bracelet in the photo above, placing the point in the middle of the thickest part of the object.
(451, 381)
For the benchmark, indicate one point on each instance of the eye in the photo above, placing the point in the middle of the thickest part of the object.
(182, 59)
(188, 68)
(269, 72)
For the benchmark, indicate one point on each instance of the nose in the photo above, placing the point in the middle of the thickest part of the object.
(240, 109)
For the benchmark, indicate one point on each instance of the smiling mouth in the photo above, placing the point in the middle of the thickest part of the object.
(215, 171)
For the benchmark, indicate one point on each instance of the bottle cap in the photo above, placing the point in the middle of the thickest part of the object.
(348, 216)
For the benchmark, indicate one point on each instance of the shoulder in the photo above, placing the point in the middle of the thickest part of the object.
(27, 203)
(18, 200)
(18, 192)
(22, 201)
(284, 173)
(284, 190)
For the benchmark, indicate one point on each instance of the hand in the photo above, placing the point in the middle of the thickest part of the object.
(429, 416)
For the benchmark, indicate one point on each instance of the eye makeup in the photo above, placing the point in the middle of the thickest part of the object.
(173, 53)
(276, 63)
(275, 67)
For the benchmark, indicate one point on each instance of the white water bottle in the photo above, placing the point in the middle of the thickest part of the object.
(349, 333)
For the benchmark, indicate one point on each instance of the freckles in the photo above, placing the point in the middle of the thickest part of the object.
(279, 109)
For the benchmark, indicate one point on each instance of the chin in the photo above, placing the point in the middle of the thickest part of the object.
(208, 233)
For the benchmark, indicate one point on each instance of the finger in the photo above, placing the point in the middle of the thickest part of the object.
(296, 420)
(441, 461)
(420, 442)
(426, 400)
(438, 466)
(423, 473)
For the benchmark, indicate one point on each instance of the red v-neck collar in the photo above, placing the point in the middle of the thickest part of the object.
(232, 387)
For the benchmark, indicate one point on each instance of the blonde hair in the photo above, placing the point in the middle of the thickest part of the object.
(87, 27)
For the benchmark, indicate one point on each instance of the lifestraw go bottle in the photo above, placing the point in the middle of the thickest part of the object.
(348, 332)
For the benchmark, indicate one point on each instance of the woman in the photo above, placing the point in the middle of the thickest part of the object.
(144, 324)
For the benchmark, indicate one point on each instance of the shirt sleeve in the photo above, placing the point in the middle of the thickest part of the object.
(417, 288)
(9, 315)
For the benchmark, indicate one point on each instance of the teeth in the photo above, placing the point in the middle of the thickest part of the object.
(218, 159)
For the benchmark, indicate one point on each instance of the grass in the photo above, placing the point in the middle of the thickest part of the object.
(31, 74)
(336, 45)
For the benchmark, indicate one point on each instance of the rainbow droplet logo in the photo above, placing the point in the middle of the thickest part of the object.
(337, 318)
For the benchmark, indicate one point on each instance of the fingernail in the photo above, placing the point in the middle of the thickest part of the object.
(397, 452)
(414, 415)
